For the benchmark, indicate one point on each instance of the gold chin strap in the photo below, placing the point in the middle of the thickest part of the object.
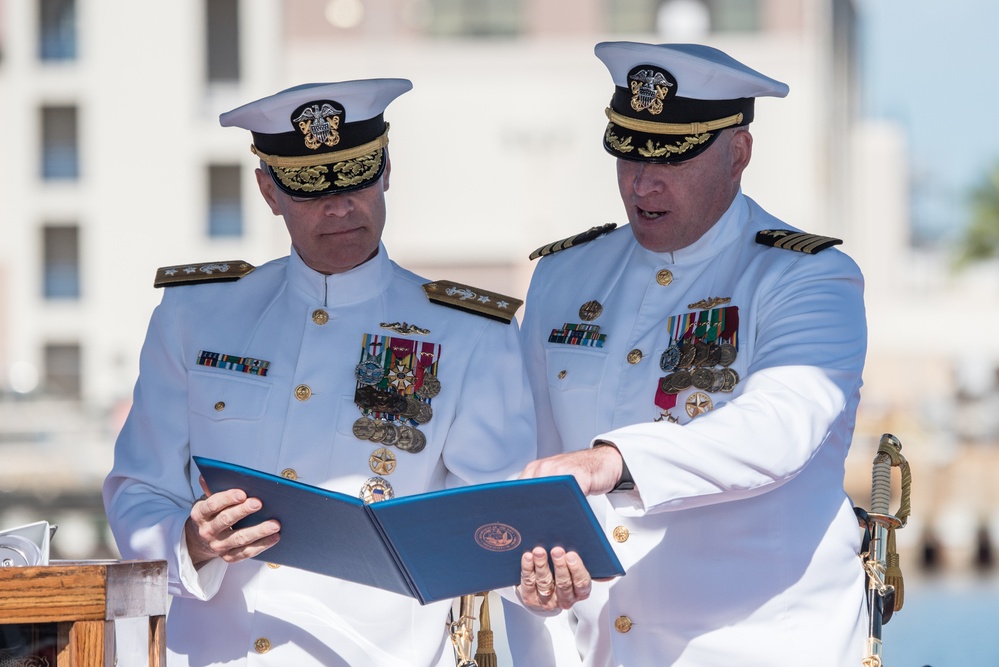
(684, 129)
(323, 158)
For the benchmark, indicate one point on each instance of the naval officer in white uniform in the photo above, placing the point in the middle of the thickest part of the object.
(333, 366)
(699, 371)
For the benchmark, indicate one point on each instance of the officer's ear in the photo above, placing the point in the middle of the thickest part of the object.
(268, 189)
(385, 174)
(741, 151)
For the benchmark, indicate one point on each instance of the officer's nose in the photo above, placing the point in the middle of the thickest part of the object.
(648, 179)
(337, 206)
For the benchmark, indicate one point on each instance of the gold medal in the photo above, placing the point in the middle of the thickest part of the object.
(431, 386)
(687, 353)
(729, 379)
(391, 434)
(406, 438)
(726, 354)
(382, 462)
(717, 380)
(701, 378)
(419, 441)
(698, 403)
(412, 407)
(363, 428)
(424, 414)
(378, 432)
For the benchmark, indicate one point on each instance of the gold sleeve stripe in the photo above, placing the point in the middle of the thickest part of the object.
(651, 127)
(797, 241)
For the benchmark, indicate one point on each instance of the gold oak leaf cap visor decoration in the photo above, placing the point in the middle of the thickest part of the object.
(671, 100)
(321, 138)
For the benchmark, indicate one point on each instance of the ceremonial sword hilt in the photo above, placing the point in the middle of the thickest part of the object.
(885, 592)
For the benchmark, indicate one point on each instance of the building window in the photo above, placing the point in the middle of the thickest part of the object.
(222, 35)
(60, 150)
(225, 201)
(61, 248)
(57, 29)
(475, 18)
(63, 370)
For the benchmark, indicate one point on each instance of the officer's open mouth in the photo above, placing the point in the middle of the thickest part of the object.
(650, 215)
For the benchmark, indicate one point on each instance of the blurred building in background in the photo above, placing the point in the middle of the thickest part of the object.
(115, 165)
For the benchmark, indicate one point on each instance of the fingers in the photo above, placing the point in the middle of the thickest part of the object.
(212, 520)
(204, 486)
(572, 579)
(545, 587)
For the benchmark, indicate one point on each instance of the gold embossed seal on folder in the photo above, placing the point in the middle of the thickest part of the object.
(497, 537)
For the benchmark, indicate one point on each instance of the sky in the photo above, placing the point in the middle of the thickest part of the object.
(930, 66)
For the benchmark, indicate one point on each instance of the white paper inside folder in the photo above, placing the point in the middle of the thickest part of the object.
(26, 545)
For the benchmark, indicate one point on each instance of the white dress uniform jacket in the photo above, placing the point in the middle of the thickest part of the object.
(739, 542)
(298, 420)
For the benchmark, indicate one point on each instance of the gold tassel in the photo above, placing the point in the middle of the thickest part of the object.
(893, 573)
(485, 654)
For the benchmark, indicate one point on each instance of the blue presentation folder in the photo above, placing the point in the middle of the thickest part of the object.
(432, 546)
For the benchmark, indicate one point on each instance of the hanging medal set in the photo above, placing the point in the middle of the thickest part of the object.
(396, 380)
(702, 347)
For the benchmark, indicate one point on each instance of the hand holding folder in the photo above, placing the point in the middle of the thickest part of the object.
(431, 546)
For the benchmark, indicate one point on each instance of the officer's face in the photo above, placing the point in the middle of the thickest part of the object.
(670, 206)
(335, 233)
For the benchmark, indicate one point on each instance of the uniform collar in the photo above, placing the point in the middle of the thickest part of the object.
(722, 234)
(340, 289)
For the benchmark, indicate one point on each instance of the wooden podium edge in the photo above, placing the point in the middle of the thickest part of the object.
(83, 591)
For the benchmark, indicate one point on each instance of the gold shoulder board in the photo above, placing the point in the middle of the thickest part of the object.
(474, 300)
(209, 272)
(789, 239)
(588, 235)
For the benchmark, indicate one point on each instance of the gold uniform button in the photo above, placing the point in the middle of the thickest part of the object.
(622, 624)
(220, 406)
(303, 392)
(320, 316)
(634, 356)
(561, 375)
(273, 566)
(262, 645)
(621, 534)
(664, 277)
(289, 473)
